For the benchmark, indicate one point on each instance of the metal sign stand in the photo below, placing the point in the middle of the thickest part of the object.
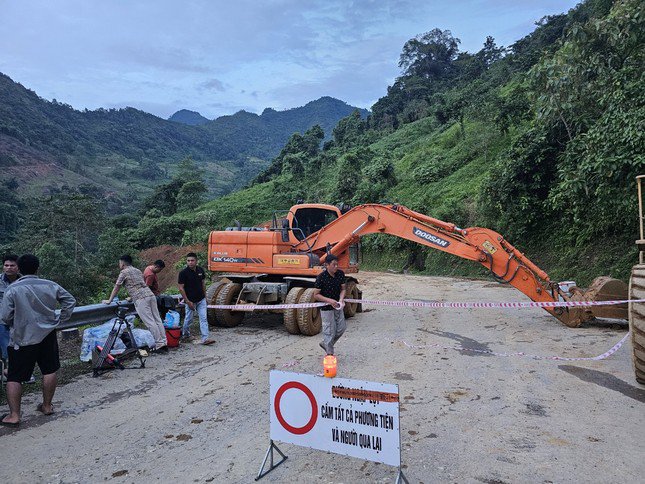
(268, 455)
(401, 478)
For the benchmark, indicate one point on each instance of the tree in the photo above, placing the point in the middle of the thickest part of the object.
(187, 170)
(299, 151)
(184, 192)
(429, 55)
(10, 209)
(63, 231)
(164, 197)
(376, 178)
(349, 173)
(311, 140)
(80, 217)
(113, 243)
(593, 87)
(191, 195)
(490, 52)
(349, 130)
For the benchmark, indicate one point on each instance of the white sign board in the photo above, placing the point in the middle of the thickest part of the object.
(349, 417)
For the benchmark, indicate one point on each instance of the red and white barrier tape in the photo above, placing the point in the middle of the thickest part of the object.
(606, 354)
(258, 307)
(519, 354)
(472, 305)
(459, 305)
(429, 304)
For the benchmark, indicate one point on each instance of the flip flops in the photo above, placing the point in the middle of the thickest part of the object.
(39, 408)
(8, 424)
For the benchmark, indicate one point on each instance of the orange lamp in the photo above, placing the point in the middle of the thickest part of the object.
(329, 366)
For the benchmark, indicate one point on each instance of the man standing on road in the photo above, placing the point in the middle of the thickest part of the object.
(9, 274)
(150, 275)
(330, 289)
(144, 301)
(29, 309)
(192, 285)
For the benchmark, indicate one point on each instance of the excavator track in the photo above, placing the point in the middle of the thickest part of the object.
(637, 321)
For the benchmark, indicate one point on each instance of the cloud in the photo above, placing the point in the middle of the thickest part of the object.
(212, 85)
(213, 56)
(163, 58)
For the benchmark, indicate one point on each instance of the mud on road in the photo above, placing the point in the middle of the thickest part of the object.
(200, 414)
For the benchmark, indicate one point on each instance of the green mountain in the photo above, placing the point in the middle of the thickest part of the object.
(48, 147)
(325, 112)
(540, 141)
(191, 118)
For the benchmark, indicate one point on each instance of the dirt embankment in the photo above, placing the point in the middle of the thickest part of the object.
(174, 257)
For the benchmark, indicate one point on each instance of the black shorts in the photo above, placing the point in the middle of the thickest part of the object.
(23, 360)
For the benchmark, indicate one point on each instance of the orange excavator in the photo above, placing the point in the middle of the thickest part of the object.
(277, 262)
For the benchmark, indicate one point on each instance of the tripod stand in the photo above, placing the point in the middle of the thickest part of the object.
(103, 361)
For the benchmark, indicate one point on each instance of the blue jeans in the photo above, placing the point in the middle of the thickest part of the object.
(4, 340)
(200, 308)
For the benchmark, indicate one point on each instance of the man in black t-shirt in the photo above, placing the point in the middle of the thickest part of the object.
(330, 288)
(192, 285)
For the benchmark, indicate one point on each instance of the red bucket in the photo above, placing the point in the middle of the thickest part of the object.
(173, 335)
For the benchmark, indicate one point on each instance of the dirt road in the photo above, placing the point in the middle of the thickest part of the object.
(200, 414)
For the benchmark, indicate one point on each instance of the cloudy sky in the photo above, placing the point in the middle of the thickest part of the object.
(217, 57)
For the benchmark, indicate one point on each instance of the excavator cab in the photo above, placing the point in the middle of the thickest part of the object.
(305, 219)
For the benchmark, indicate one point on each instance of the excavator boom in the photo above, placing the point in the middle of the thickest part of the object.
(481, 245)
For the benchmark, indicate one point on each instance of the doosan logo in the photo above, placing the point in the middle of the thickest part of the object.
(430, 238)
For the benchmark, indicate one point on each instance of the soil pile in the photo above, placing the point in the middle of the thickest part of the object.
(174, 257)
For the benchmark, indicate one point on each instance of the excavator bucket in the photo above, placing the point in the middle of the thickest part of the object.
(602, 289)
(607, 289)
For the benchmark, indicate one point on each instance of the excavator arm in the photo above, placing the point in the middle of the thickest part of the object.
(487, 247)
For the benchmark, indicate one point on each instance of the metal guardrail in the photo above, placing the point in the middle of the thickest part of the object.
(97, 313)
(94, 314)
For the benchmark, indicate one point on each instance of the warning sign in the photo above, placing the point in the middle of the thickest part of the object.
(349, 417)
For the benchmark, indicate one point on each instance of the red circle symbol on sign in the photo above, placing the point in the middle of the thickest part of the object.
(314, 408)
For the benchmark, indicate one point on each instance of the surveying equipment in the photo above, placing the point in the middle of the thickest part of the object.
(103, 360)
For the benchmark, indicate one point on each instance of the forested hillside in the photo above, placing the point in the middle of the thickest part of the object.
(48, 147)
(278, 125)
(540, 140)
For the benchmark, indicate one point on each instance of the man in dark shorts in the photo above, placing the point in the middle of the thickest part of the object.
(192, 285)
(330, 288)
(29, 309)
